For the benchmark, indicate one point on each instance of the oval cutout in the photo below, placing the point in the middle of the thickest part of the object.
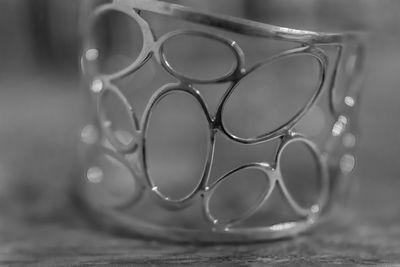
(111, 183)
(118, 41)
(118, 120)
(177, 144)
(301, 174)
(198, 57)
(237, 196)
(271, 96)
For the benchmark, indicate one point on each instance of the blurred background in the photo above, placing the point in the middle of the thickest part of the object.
(42, 109)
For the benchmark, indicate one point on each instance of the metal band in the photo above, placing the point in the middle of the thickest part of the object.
(310, 43)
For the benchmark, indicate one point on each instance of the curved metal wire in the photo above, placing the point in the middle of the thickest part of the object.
(106, 124)
(234, 73)
(310, 44)
(137, 191)
(163, 92)
(286, 126)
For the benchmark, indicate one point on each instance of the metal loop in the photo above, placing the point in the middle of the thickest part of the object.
(281, 130)
(230, 44)
(139, 188)
(268, 173)
(322, 174)
(230, 230)
(106, 125)
(157, 97)
(148, 40)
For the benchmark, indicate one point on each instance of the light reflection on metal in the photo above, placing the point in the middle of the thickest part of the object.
(95, 175)
(89, 135)
(349, 140)
(92, 54)
(97, 86)
(347, 163)
(350, 101)
(311, 44)
(340, 126)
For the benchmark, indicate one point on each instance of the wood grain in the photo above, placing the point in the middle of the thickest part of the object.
(357, 235)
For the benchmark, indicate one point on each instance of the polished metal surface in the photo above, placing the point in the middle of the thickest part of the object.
(310, 44)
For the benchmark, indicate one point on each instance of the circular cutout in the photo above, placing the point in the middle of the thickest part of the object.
(177, 151)
(237, 195)
(199, 57)
(304, 174)
(118, 41)
(272, 97)
(300, 172)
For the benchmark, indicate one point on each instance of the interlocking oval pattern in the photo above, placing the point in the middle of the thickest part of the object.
(272, 171)
(275, 178)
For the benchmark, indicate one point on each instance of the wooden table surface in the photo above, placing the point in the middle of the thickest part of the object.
(367, 232)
